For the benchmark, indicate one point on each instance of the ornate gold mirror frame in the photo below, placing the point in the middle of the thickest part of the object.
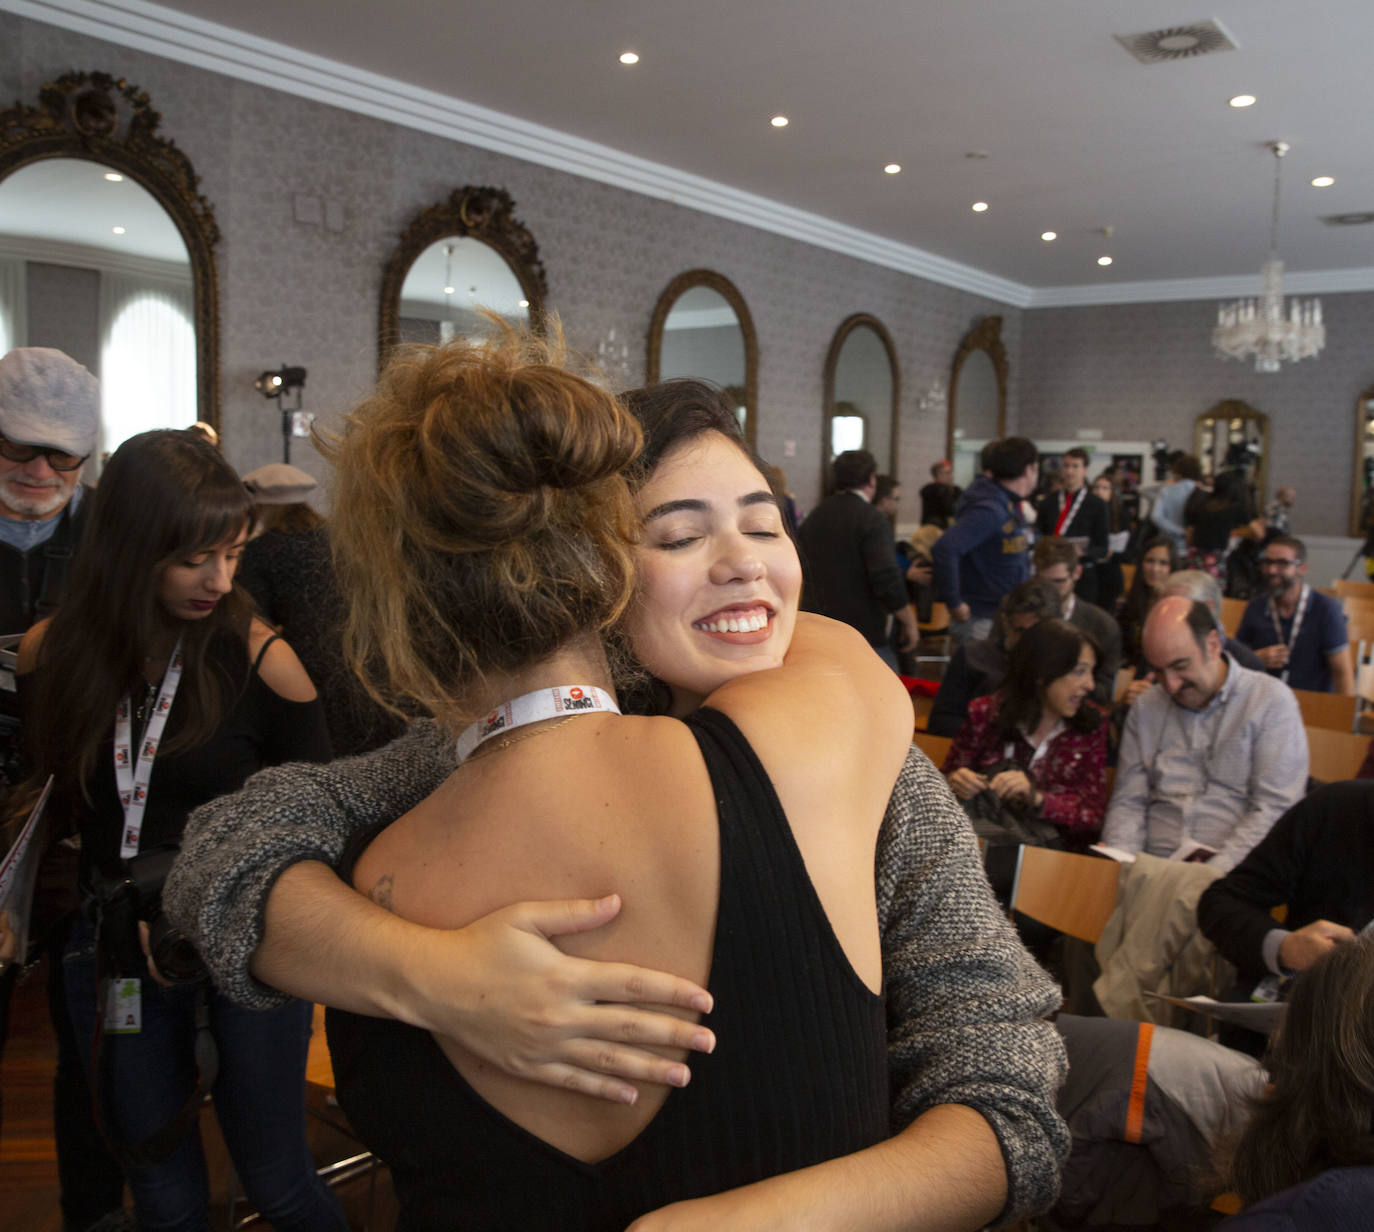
(727, 289)
(486, 214)
(1363, 480)
(832, 359)
(985, 336)
(103, 119)
(1212, 451)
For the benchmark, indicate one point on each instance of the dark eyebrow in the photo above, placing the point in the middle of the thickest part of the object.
(762, 497)
(677, 506)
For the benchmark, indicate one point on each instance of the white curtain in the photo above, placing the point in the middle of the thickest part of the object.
(14, 308)
(147, 356)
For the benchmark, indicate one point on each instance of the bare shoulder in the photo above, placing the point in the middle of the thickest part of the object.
(280, 670)
(30, 646)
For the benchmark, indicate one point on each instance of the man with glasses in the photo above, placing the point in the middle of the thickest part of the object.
(49, 417)
(1211, 756)
(1298, 633)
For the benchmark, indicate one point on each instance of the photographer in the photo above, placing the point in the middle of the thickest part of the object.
(153, 689)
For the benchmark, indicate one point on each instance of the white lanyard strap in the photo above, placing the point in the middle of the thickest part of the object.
(563, 699)
(133, 772)
(1297, 624)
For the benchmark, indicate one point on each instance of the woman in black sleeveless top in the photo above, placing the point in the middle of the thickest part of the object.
(469, 477)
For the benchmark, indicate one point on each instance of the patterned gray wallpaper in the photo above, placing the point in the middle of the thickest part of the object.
(64, 311)
(1141, 371)
(302, 294)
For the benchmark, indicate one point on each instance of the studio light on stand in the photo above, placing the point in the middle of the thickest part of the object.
(294, 421)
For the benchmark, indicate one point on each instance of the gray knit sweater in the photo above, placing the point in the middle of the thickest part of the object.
(965, 1002)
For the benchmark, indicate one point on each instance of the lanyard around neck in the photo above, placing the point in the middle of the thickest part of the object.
(552, 703)
(133, 772)
(1070, 509)
(1297, 624)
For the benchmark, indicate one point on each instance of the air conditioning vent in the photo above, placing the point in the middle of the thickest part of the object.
(1349, 220)
(1197, 38)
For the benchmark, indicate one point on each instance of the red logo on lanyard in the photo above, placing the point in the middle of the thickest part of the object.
(574, 693)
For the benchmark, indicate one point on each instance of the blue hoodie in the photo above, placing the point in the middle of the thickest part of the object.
(985, 552)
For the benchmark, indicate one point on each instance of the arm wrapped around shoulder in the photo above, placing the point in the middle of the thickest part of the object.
(236, 847)
(966, 1003)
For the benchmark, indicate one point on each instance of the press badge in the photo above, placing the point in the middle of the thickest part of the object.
(124, 1008)
(1267, 990)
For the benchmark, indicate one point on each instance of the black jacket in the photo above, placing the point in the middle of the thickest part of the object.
(31, 582)
(850, 556)
(1093, 521)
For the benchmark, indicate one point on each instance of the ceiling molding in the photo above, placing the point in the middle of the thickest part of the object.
(244, 57)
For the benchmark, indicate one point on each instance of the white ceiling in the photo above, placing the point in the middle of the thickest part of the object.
(1078, 134)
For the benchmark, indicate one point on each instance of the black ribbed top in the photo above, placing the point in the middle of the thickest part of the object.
(799, 1074)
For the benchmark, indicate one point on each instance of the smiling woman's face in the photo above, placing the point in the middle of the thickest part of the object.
(719, 580)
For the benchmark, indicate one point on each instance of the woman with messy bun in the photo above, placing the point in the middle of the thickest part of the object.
(800, 763)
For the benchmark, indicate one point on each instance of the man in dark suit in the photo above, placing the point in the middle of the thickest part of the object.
(1075, 513)
(1056, 562)
(850, 557)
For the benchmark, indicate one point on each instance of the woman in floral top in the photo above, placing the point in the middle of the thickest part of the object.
(1044, 720)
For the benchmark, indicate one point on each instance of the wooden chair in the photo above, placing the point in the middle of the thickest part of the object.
(1359, 620)
(1127, 577)
(935, 645)
(1334, 755)
(1332, 711)
(1353, 590)
(1231, 612)
(1072, 893)
(921, 705)
(934, 747)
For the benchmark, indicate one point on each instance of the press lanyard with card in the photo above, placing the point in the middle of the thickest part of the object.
(1297, 624)
(124, 1007)
(1070, 509)
(133, 768)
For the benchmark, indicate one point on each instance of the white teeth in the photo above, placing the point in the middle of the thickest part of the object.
(733, 624)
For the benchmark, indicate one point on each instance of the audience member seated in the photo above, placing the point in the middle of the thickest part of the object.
(288, 570)
(1056, 562)
(986, 551)
(939, 496)
(1076, 513)
(1039, 744)
(1158, 559)
(1306, 1158)
(1211, 755)
(1298, 633)
(978, 668)
(1318, 862)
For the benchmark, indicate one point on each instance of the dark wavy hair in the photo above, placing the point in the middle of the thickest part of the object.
(1319, 1110)
(1139, 599)
(163, 496)
(1042, 654)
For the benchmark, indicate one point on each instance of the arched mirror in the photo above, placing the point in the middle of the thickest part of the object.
(107, 253)
(1361, 502)
(456, 258)
(862, 387)
(1233, 436)
(701, 327)
(977, 397)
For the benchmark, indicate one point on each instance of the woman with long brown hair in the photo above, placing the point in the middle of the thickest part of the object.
(154, 689)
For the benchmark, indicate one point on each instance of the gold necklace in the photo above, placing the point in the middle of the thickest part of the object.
(507, 741)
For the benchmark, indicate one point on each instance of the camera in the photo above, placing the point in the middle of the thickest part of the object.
(129, 892)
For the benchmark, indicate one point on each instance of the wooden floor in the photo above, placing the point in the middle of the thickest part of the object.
(28, 1168)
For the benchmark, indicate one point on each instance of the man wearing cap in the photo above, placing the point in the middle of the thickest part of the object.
(49, 417)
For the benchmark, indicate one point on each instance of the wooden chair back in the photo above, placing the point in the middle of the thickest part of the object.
(1127, 577)
(1359, 620)
(1353, 590)
(934, 747)
(1072, 893)
(1231, 612)
(1333, 711)
(1334, 756)
(921, 705)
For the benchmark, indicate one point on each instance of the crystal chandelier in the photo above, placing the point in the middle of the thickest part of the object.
(1260, 327)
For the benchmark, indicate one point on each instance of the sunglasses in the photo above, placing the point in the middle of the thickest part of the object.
(57, 459)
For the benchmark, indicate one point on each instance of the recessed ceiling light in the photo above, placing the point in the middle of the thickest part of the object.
(979, 207)
(1047, 236)
(629, 57)
(778, 121)
(1104, 260)
(448, 290)
(1323, 181)
(118, 230)
(1243, 100)
(893, 168)
(524, 303)
(114, 177)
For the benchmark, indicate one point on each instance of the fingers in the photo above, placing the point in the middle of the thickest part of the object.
(623, 982)
(566, 915)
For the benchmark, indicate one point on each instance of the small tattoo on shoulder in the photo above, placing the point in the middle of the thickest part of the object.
(382, 891)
